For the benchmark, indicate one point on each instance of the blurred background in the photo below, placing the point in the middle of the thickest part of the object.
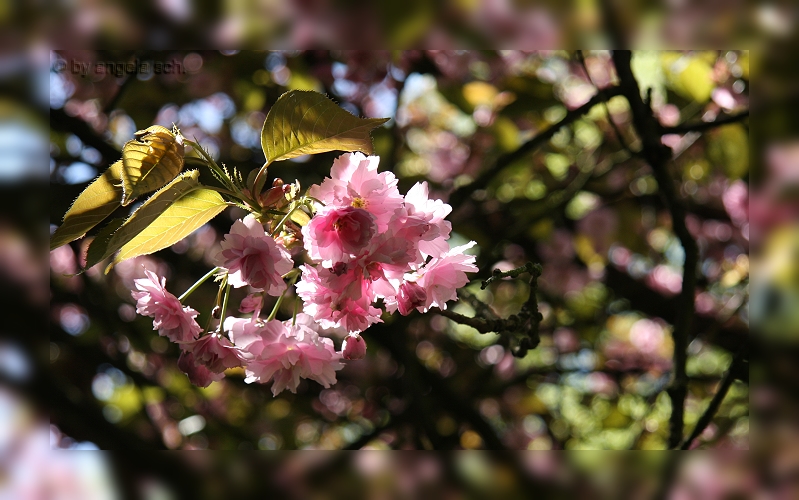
(581, 204)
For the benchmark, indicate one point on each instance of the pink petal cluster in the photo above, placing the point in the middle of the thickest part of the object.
(170, 317)
(214, 351)
(199, 374)
(355, 182)
(254, 258)
(369, 242)
(285, 353)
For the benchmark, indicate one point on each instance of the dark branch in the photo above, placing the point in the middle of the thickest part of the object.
(703, 126)
(658, 155)
(62, 122)
(534, 270)
(715, 403)
(459, 195)
(521, 329)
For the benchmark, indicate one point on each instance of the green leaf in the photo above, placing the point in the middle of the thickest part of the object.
(305, 122)
(144, 216)
(100, 243)
(92, 206)
(181, 219)
(151, 160)
(300, 217)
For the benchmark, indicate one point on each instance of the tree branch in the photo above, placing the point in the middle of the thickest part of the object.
(715, 403)
(522, 328)
(657, 155)
(703, 126)
(459, 195)
(62, 122)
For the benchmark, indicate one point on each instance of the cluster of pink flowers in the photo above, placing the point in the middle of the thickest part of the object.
(367, 243)
(282, 351)
(370, 243)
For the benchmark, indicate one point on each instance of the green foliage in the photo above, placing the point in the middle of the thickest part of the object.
(151, 160)
(93, 205)
(180, 219)
(304, 122)
(300, 122)
(144, 216)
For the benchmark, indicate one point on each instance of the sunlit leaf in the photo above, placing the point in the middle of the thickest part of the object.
(100, 243)
(151, 160)
(144, 216)
(300, 217)
(182, 218)
(94, 204)
(304, 122)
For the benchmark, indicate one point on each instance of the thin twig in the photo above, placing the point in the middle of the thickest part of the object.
(715, 403)
(533, 269)
(657, 155)
(703, 126)
(460, 194)
(521, 329)
(612, 123)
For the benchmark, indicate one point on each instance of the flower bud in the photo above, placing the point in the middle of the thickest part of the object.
(354, 347)
(410, 297)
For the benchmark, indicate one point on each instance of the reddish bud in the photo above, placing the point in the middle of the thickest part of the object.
(354, 347)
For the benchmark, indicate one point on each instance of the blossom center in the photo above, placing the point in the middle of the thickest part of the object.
(359, 202)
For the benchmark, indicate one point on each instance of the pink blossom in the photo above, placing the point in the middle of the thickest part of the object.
(411, 296)
(337, 300)
(254, 258)
(354, 347)
(199, 374)
(251, 304)
(338, 234)
(251, 335)
(170, 317)
(736, 202)
(282, 357)
(355, 182)
(442, 276)
(433, 242)
(214, 351)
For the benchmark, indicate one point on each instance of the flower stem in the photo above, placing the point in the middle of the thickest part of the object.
(197, 285)
(224, 306)
(285, 218)
(280, 299)
(217, 303)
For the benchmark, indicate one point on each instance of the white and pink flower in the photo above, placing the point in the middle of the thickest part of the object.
(170, 317)
(338, 234)
(442, 276)
(287, 353)
(355, 182)
(214, 351)
(254, 258)
(198, 374)
(337, 300)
